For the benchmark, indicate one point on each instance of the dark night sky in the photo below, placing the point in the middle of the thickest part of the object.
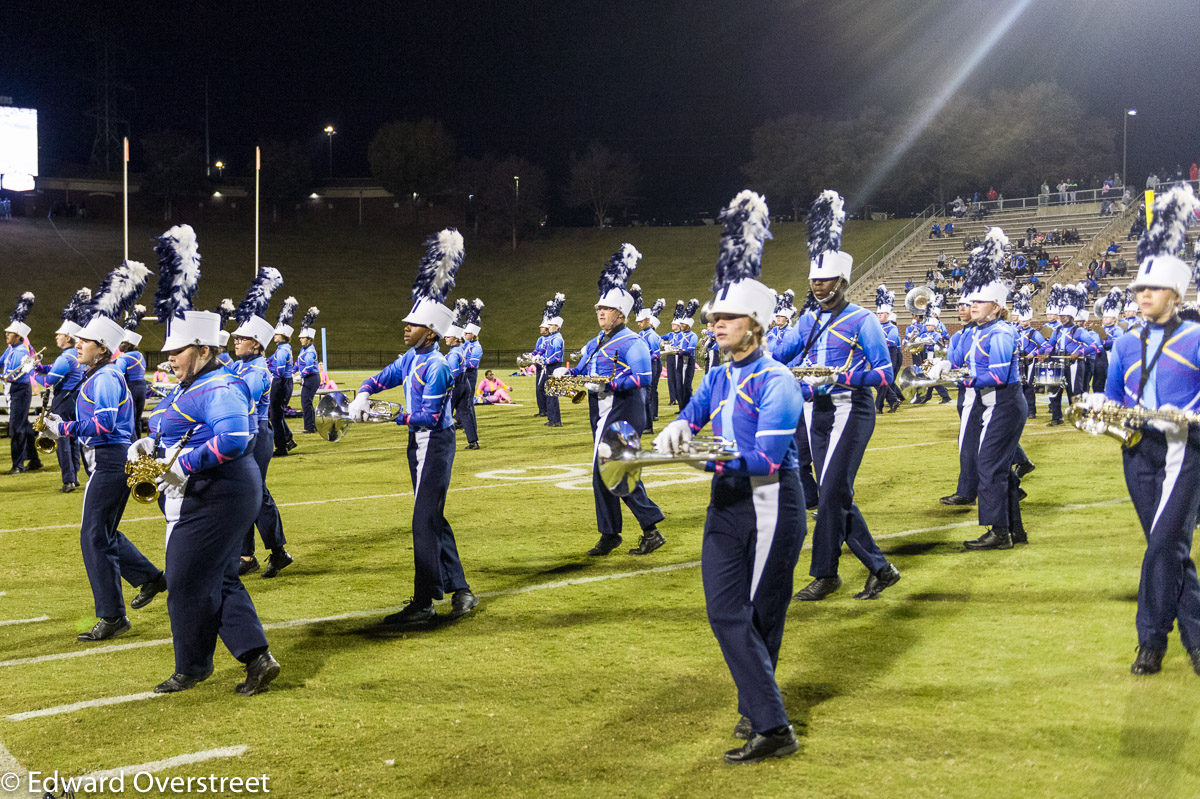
(679, 84)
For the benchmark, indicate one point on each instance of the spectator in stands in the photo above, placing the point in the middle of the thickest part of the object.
(948, 229)
(959, 209)
(1062, 192)
(1071, 237)
(1055, 263)
(1092, 287)
(1136, 229)
(992, 195)
(1045, 189)
(1001, 202)
(1194, 172)
(1105, 208)
(1020, 263)
(935, 232)
(1120, 267)
(941, 260)
(1033, 279)
(928, 276)
(1091, 268)
(1113, 247)
(1043, 263)
(908, 285)
(1152, 182)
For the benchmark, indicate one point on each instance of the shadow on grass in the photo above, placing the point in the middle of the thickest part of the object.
(1160, 714)
(923, 548)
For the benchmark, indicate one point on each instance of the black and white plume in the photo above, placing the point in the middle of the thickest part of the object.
(881, 297)
(1022, 304)
(746, 221)
(78, 310)
(226, 309)
(178, 272)
(679, 306)
(983, 266)
(22, 308)
(310, 317)
(618, 269)
(444, 253)
(475, 313)
(657, 307)
(288, 311)
(826, 219)
(554, 307)
(136, 314)
(1114, 301)
(635, 291)
(258, 297)
(785, 302)
(121, 289)
(1174, 211)
(692, 306)
(460, 312)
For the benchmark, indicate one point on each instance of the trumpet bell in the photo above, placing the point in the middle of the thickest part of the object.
(45, 444)
(620, 469)
(333, 416)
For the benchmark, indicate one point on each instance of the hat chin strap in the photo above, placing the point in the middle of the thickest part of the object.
(835, 297)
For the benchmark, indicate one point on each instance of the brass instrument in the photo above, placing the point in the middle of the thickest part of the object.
(575, 356)
(165, 366)
(145, 471)
(25, 367)
(43, 443)
(333, 415)
(913, 379)
(667, 349)
(529, 359)
(1122, 423)
(622, 458)
(573, 386)
(918, 300)
(825, 371)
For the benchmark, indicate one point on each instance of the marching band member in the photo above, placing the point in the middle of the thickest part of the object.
(755, 523)
(935, 338)
(687, 352)
(225, 310)
(808, 480)
(103, 424)
(647, 320)
(1030, 343)
(914, 331)
(620, 355)
(539, 365)
(282, 368)
(1162, 471)
(1133, 319)
(64, 376)
(307, 369)
(425, 376)
(456, 358)
(1112, 331)
(968, 445)
(464, 390)
(554, 354)
(250, 340)
(785, 312)
(671, 340)
(994, 410)
(1091, 340)
(636, 313)
(1066, 342)
(212, 490)
(884, 302)
(133, 366)
(839, 412)
(20, 431)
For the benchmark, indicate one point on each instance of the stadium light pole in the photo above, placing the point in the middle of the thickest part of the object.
(329, 131)
(220, 165)
(516, 208)
(1129, 112)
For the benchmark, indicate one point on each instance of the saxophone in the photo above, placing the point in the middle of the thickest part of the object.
(146, 469)
(1122, 423)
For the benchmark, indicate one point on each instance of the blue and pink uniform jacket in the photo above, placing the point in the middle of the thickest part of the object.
(65, 374)
(1175, 378)
(428, 385)
(217, 403)
(553, 349)
(132, 365)
(103, 410)
(280, 362)
(990, 352)
(254, 373)
(1030, 341)
(472, 353)
(653, 342)
(623, 357)
(306, 363)
(457, 362)
(13, 355)
(826, 338)
(686, 343)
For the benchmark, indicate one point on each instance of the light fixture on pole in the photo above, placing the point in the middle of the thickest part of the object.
(329, 131)
(1129, 112)
(220, 165)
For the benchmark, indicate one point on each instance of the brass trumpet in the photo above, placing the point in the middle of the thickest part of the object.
(529, 359)
(333, 415)
(573, 386)
(24, 367)
(622, 457)
(1115, 420)
(912, 379)
(43, 443)
(145, 471)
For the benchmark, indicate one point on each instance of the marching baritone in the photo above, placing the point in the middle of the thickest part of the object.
(621, 356)
(647, 320)
(554, 354)
(754, 527)
(20, 432)
(210, 489)
(64, 376)
(884, 304)
(423, 373)
(103, 423)
(539, 363)
(839, 411)
(307, 369)
(282, 369)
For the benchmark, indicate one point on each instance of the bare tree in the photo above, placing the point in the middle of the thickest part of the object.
(412, 159)
(602, 180)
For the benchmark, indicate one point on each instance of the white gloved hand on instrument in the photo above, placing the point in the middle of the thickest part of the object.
(54, 424)
(1094, 401)
(1168, 428)
(360, 407)
(143, 446)
(819, 380)
(561, 371)
(173, 481)
(938, 369)
(597, 388)
(674, 438)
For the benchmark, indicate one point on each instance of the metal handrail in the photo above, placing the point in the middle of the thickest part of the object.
(864, 268)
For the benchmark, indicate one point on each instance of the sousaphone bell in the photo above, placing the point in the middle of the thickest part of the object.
(333, 415)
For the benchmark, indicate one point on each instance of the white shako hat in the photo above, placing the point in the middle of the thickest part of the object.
(250, 312)
(552, 315)
(884, 299)
(825, 221)
(474, 318)
(614, 277)
(283, 324)
(1158, 251)
(178, 278)
(306, 324)
(116, 295)
(226, 310)
(652, 312)
(982, 280)
(76, 314)
(689, 312)
(444, 253)
(736, 286)
(785, 304)
(16, 321)
(136, 314)
(460, 315)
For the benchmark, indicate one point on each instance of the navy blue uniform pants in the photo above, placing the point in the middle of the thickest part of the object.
(752, 538)
(687, 371)
(268, 521)
(673, 378)
(1100, 372)
(281, 395)
(651, 393)
(995, 422)
(69, 451)
(889, 393)
(968, 446)
(308, 390)
(552, 410)
(20, 430)
(438, 569)
(839, 428)
(204, 533)
(1029, 390)
(464, 407)
(1074, 376)
(108, 555)
(137, 390)
(1163, 477)
(812, 493)
(627, 406)
(539, 382)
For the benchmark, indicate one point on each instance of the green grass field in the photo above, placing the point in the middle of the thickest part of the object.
(999, 674)
(361, 279)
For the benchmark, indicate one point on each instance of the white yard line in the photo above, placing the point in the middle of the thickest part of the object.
(170, 762)
(9, 765)
(58, 710)
(7, 622)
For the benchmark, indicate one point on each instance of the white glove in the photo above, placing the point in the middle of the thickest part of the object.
(938, 369)
(1169, 429)
(561, 371)
(53, 426)
(597, 388)
(674, 438)
(603, 450)
(819, 380)
(360, 407)
(173, 480)
(1094, 401)
(143, 446)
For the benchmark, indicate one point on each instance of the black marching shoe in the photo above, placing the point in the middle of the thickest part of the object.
(103, 630)
(956, 499)
(818, 589)
(651, 540)
(606, 544)
(473, 445)
(553, 424)
(462, 603)
(279, 453)
(67, 488)
(291, 445)
(893, 407)
(276, 563)
(1149, 660)
(994, 538)
(180, 682)
(886, 577)
(779, 742)
(34, 466)
(17, 470)
(742, 730)
(946, 401)
(1054, 423)
(259, 673)
(148, 591)
(1020, 536)
(1023, 469)
(1194, 654)
(247, 566)
(413, 615)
